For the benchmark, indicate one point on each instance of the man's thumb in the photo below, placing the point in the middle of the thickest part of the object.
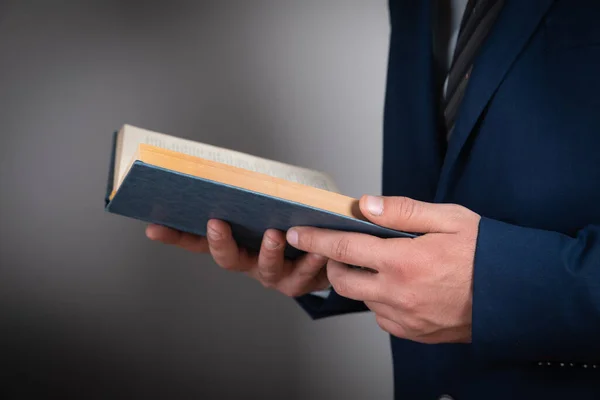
(405, 214)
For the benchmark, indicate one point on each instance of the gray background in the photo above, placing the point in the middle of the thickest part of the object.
(87, 304)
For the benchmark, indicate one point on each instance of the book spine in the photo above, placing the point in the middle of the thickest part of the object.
(111, 169)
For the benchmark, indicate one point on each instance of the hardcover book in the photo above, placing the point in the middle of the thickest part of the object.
(180, 183)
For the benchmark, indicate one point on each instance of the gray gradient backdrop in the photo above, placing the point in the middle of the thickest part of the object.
(87, 304)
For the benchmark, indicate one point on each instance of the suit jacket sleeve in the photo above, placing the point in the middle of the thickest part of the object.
(318, 307)
(536, 294)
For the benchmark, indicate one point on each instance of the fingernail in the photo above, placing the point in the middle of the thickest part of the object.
(150, 232)
(213, 234)
(271, 244)
(292, 237)
(375, 205)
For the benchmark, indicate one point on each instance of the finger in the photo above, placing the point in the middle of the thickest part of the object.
(391, 327)
(271, 261)
(222, 246)
(382, 310)
(451, 335)
(354, 284)
(291, 286)
(405, 214)
(187, 241)
(391, 318)
(162, 234)
(396, 315)
(307, 274)
(321, 281)
(194, 243)
(345, 247)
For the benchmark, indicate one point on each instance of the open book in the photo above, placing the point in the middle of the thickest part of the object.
(181, 183)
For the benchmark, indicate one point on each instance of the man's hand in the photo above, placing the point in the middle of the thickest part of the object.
(268, 267)
(422, 287)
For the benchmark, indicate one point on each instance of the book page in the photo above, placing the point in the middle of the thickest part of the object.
(131, 137)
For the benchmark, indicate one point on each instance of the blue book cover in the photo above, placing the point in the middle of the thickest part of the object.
(157, 194)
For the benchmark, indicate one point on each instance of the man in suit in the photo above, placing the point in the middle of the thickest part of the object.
(495, 162)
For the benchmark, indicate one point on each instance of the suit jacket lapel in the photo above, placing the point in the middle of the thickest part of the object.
(514, 26)
(412, 152)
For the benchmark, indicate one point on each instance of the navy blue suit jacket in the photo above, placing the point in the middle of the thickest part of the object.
(525, 155)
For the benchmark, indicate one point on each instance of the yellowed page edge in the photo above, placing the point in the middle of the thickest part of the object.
(249, 180)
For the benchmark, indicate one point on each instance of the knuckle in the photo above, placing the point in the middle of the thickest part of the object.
(405, 208)
(228, 265)
(269, 272)
(217, 244)
(270, 244)
(227, 262)
(408, 302)
(268, 277)
(270, 260)
(458, 210)
(268, 284)
(389, 327)
(269, 255)
(386, 263)
(306, 242)
(381, 322)
(341, 249)
(455, 214)
(340, 285)
(413, 326)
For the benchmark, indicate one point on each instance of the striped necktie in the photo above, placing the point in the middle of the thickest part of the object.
(477, 21)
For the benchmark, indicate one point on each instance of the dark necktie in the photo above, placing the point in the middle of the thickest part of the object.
(477, 21)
